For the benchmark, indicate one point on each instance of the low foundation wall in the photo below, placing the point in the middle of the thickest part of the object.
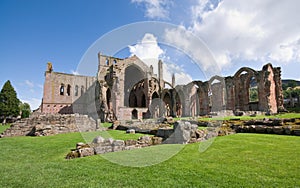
(50, 124)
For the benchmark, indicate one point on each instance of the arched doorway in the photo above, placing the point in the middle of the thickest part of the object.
(134, 114)
(168, 104)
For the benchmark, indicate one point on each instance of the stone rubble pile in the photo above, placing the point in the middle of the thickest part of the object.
(100, 146)
(269, 126)
(184, 132)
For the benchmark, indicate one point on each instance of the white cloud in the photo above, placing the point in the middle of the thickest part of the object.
(29, 83)
(150, 52)
(27, 91)
(194, 47)
(181, 77)
(74, 72)
(261, 30)
(33, 102)
(155, 8)
(236, 31)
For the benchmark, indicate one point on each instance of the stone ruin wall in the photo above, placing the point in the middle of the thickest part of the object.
(50, 124)
(61, 90)
(231, 93)
(107, 96)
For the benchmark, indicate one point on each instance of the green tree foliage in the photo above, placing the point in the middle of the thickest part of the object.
(286, 93)
(25, 110)
(291, 93)
(253, 94)
(9, 103)
(284, 87)
(292, 84)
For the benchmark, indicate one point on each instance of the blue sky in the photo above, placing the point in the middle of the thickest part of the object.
(237, 33)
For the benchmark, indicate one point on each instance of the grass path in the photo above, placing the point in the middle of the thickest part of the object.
(241, 160)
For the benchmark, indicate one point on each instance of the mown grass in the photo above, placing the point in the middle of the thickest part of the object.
(4, 127)
(240, 160)
(115, 134)
(281, 116)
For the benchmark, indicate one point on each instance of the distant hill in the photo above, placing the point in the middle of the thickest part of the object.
(287, 81)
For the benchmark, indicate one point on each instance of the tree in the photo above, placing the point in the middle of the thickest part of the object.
(25, 110)
(292, 84)
(9, 103)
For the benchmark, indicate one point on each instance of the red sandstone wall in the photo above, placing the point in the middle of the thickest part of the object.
(53, 101)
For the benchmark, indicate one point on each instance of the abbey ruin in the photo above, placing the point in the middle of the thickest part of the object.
(126, 89)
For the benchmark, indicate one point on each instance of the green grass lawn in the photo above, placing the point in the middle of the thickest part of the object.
(281, 116)
(240, 160)
(4, 127)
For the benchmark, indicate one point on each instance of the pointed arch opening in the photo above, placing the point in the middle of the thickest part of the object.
(69, 90)
(108, 98)
(253, 90)
(155, 95)
(62, 89)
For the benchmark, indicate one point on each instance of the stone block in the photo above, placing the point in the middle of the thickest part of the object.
(130, 142)
(156, 140)
(86, 152)
(278, 130)
(130, 131)
(296, 132)
(98, 140)
(103, 149)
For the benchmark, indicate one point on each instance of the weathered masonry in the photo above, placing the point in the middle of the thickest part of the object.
(127, 88)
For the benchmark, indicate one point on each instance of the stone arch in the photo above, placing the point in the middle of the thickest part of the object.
(154, 95)
(133, 75)
(242, 80)
(244, 69)
(168, 103)
(154, 85)
(217, 93)
(166, 84)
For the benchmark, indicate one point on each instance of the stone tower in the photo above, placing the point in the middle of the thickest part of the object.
(160, 74)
